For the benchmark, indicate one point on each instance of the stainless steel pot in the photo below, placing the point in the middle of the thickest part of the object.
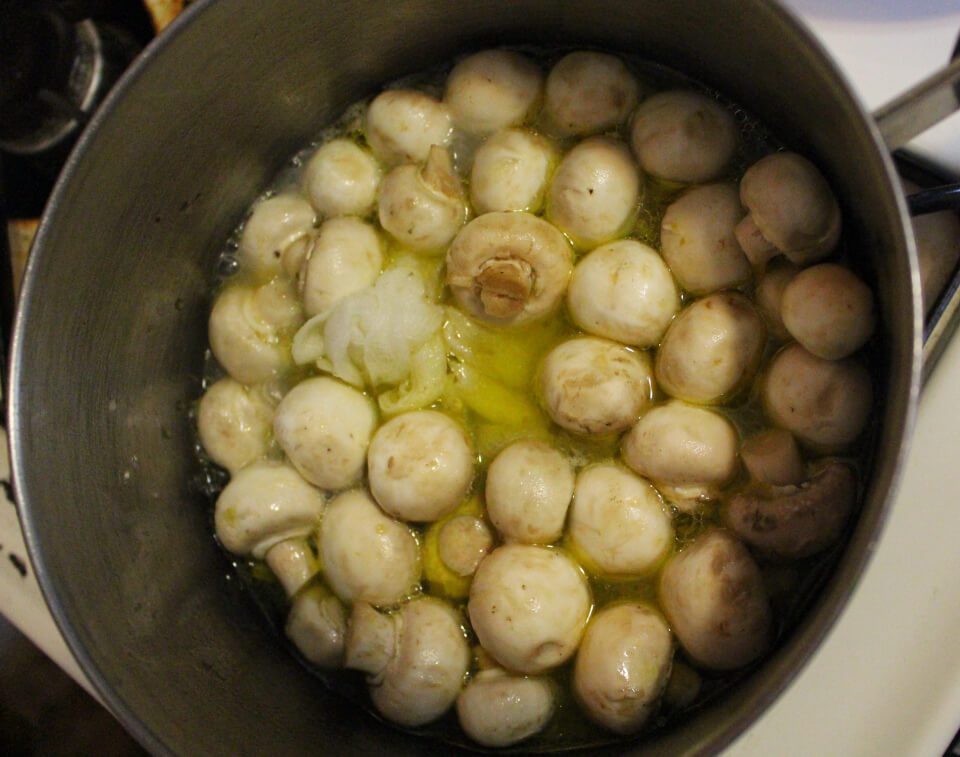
(111, 330)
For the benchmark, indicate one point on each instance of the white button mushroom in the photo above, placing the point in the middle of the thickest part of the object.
(493, 89)
(317, 626)
(248, 328)
(771, 456)
(769, 293)
(498, 709)
(698, 243)
(528, 606)
(623, 291)
(234, 424)
(416, 659)
(529, 486)
(824, 403)
(688, 452)
(829, 310)
(403, 124)
(511, 170)
(618, 521)
(623, 666)
(712, 350)
(367, 556)
(341, 179)
(463, 542)
(324, 427)
(509, 267)
(420, 465)
(594, 386)
(423, 208)
(344, 258)
(681, 135)
(792, 210)
(593, 195)
(274, 236)
(713, 596)
(589, 92)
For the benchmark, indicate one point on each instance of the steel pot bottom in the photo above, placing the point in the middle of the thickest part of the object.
(111, 330)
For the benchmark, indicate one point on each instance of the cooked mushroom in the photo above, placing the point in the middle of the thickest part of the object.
(511, 170)
(266, 509)
(497, 708)
(415, 658)
(681, 135)
(529, 486)
(423, 208)
(367, 555)
(825, 404)
(275, 235)
(771, 456)
(509, 267)
(493, 89)
(618, 522)
(317, 625)
(794, 521)
(792, 211)
(829, 310)
(595, 386)
(344, 258)
(589, 92)
(420, 465)
(712, 350)
(688, 452)
(769, 293)
(624, 291)
(463, 542)
(324, 427)
(402, 125)
(713, 596)
(698, 243)
(341, 179)
(623, 666)
(593, 195)
(528, 606)
(234, 423)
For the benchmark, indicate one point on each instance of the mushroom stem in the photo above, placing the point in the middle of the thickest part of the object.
(504, 285)
(754, 244)
(293, 563)
(371, 640)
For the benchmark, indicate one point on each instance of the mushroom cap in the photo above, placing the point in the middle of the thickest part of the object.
(341, 179)
(463, 542)
(594, 191)
(492, 89)
(825, 404)
(402, 125)
(367, 555)
(769, 293)
(528, 606)
(424, 677)
(234, 423)
(713, 596)
(324, 427)
(263, 504)
(682, 135)
(771, 456)
(792, 206)
(317, 625)
(624, 291)
(276, 224)
(420, 465)
(498, 709)
(618, 521)
(509, 267)
(595, 386)
(528, 490)
(712, 350)
(511, 170)
(344, 258)
(623, 666)
(829, 310)
(589, 92)
(697, 239)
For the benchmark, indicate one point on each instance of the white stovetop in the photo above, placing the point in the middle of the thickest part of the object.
(886, 682)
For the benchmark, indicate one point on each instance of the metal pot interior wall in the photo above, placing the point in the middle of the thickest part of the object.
(112, 329)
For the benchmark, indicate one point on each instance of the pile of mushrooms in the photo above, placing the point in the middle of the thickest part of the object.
(624, 433)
